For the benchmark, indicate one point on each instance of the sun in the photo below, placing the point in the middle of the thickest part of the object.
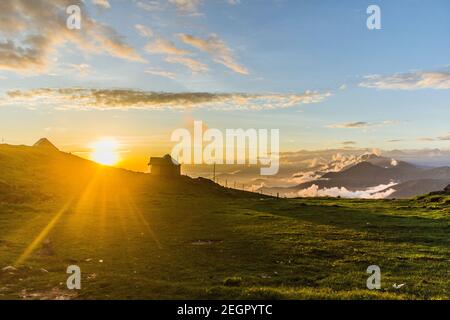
(105, 151)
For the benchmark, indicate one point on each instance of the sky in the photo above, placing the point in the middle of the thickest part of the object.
(137, 70)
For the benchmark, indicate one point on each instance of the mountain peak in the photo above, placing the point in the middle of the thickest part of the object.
(45, 143)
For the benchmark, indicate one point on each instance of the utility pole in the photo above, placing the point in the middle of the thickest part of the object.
(214, 172)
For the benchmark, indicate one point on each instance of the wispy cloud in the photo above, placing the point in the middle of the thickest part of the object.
(408, 81)
(217, 48)
(149, 5)
(186, 6)
(31, 51)
(349, 125)
(361, 124)
(144, 31)
(102, 3)
(163, 46)
(445, 137)
(426, 139)
(161, 73)
(194, 65)
(82, 69)
(176, 55)
(84, 99)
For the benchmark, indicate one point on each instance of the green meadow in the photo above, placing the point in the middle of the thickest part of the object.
(139, 237)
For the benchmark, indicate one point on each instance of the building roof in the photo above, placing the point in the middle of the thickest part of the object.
(164, 161)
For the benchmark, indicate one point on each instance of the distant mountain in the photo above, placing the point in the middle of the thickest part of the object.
(409, 179)
(44, 143)
(369, 174)
(413, 188)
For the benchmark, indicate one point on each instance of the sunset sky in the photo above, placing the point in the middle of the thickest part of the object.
(137, 70)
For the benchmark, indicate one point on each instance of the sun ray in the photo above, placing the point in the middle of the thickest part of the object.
(46, 230)
(43, 234)
(136, 211)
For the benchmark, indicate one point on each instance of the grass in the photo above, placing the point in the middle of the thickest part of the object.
(137, 237)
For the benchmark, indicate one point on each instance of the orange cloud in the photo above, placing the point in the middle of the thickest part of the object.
(82, 99)
(34, 30)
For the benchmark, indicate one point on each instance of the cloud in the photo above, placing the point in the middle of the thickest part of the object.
(186, 6)
(163, 46)
(335, 162)
(348, 143)
(217, 48)
(194, 65)
(82, 69)
(102, 3)
(376, 192)
(445, 137)
(85, 99)
(32, 31)
(149, 5)
(426, 139)
(176, 55)
(350, 125)
(408, 81)
(361, 124)
(161, 73)
(144, 31)
(302, 177)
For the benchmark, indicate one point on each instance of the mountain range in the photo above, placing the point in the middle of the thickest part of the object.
(382, 175)
(369, 176)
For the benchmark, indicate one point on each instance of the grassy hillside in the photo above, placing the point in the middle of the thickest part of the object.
(135, 236)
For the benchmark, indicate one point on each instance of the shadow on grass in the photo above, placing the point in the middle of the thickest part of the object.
(380, 223)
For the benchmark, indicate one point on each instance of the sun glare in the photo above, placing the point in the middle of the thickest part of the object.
(105, 151)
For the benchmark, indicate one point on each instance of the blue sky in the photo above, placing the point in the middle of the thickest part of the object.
(246, 47)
